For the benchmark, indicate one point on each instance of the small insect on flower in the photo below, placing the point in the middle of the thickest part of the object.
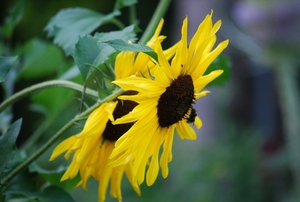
(192, 114)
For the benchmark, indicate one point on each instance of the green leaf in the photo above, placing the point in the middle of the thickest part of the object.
(20, 182)
(91, 51)
(122, 45)
(69, 24)
(15, 16)
(41, 58)
(221, 62)
(53, 194)
(5, 64)
(54, 176)
(27, 184)
(124, 3)
(50, 194)
(7, 144)
(86, 51)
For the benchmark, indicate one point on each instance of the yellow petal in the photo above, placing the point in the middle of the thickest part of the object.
(63, 146)
(153, 169)
(185, 131)
(198, 122)
(204, 80)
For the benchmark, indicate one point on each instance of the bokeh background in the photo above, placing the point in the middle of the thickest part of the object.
(249, 146)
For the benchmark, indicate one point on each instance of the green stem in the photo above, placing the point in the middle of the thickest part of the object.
(132, 15)
(118, 23)
(40, 86)
(289, 102)
(58, 135)
(160, 11)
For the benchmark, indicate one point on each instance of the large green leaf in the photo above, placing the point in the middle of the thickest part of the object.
(122, 45)
(5, 64)
(221, 62)
(7, 144)
(40, 59)
(90, 51)
(69, 24)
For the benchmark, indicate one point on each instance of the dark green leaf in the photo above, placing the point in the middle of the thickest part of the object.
(86, 51)
(221, 62)
(5, 64)
(54, 176)
(90, 51)
(15, 15)
(27, 184)
(53, 194)
(69, 24)
(40, 59)
(122, 45)
(50, 194)
(7, 144)
(124, 3)
(20, 182)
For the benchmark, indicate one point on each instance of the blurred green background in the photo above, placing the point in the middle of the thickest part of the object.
(248, 147)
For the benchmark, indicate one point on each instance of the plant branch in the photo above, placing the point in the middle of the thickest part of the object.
(58, 135)
(160, 11)
(118, 23)
(132, 14)
(47, 84)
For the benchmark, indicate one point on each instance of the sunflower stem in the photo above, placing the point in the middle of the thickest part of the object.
(132, 14)
(118, 23)
(44, 85)
(64, 129)
(160, 11)
(289, 102)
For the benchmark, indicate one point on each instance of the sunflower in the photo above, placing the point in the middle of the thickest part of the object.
(95, 143)
(92, 147)
(165, 102)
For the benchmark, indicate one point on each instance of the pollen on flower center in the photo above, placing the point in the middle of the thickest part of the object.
(176, 102)
(114, 132)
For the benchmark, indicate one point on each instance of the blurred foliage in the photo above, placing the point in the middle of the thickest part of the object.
(230, 168)
(7, 145)
(5, 64)
(221, 62)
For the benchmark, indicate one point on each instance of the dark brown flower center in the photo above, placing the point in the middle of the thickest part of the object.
(176, 102)
(114, 132)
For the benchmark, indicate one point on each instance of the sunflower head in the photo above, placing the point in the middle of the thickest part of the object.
(91, 147)
(181, 92)
(165, 102)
